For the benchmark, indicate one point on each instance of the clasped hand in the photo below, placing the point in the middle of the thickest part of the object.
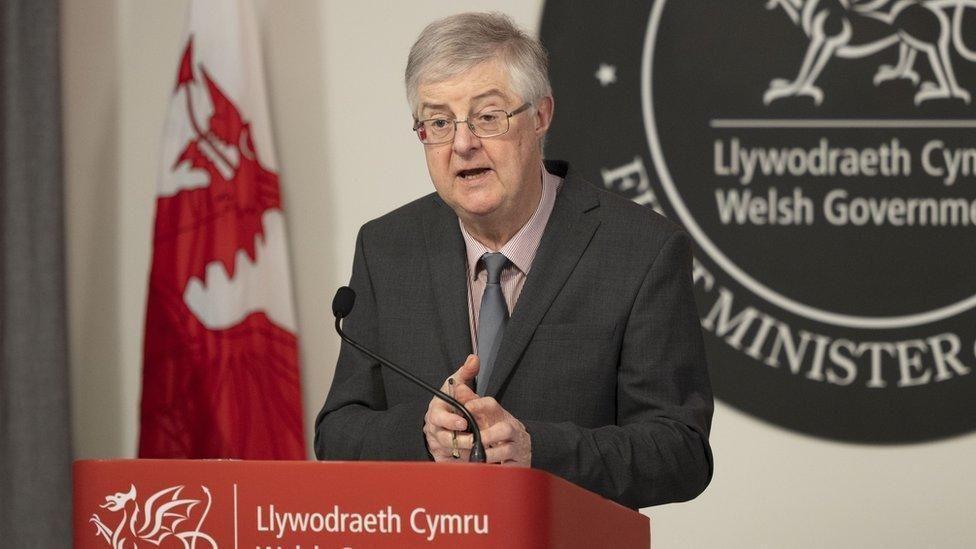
(505, 439)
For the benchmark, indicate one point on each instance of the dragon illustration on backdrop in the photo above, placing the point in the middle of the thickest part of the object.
(855, 29)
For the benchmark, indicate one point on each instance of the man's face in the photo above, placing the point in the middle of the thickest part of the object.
(491, 180)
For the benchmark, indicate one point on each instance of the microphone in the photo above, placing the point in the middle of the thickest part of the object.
(342, 305)
(343, 302)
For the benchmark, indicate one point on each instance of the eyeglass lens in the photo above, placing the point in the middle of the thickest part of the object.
(485, 124)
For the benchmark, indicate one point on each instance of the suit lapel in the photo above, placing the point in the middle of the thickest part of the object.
(445, 254)
(568, 232)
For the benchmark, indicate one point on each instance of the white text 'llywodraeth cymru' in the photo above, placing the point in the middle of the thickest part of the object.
(385, 521)
(888, 160)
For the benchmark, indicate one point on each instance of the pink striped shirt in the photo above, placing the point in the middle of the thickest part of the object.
(520, 251)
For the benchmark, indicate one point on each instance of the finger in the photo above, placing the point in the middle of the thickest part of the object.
(431, 431)
(468, 371)
(464, 393)
(438, 403)
(500, 453)
(503, 431)
(483, 405)
(486, 411)
(444, 438)
(436, 449)
(446, 419)
(463, 376)
(442, 449)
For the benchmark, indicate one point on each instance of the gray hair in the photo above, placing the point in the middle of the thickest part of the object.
(455, 44)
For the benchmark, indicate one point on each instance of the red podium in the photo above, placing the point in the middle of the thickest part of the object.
(312, 505)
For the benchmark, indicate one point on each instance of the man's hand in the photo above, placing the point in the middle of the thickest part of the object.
(441, 419)
(505, 438)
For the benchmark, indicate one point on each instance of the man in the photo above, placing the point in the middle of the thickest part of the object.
(576, 303)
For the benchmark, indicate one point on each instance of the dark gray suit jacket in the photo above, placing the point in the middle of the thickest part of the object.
(602, 359)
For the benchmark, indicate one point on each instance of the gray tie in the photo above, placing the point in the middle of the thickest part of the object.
(491, 319)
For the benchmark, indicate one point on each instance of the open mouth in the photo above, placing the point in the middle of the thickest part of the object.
(473, 173)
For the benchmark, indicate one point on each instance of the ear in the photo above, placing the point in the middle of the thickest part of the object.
(543, 115)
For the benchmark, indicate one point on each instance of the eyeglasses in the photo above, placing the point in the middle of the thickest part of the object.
(435, 131)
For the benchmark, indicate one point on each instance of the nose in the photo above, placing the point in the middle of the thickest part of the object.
(464, 140)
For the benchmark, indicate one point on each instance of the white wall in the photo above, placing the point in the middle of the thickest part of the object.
(346, 154)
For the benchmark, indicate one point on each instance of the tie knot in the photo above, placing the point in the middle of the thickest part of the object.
(494, 263)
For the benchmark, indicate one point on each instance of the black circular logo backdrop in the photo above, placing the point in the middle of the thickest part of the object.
(823, 159)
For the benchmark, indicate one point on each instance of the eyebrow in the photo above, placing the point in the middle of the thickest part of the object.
(494, 92)
(433, 106)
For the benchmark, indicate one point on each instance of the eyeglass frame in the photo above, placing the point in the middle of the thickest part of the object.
(471, 127)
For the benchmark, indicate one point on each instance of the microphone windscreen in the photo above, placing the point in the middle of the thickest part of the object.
(343, 302)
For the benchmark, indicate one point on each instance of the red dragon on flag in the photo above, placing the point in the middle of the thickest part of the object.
(220, 373)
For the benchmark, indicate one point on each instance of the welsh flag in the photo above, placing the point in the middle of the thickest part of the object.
(220, 372)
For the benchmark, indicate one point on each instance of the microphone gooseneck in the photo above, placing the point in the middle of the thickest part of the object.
(342, 305)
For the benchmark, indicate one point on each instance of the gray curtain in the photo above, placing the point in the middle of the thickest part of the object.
(35, 442)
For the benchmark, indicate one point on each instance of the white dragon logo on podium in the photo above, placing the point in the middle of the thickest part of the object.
(165, 514)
